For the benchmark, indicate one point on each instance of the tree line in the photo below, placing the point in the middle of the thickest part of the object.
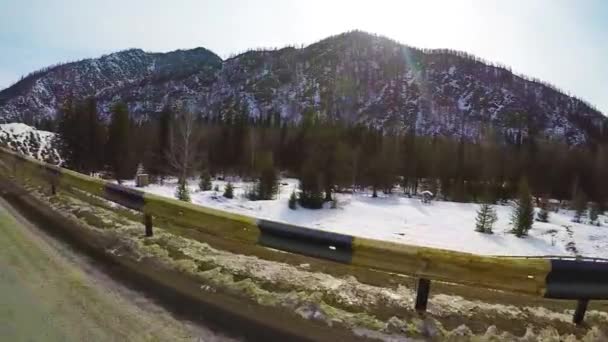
(326, 155)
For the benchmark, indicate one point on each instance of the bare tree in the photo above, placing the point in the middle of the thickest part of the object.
(184, 138)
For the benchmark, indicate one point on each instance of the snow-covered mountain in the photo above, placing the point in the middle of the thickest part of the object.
(147, 81)
(354, 76)
(29, 141)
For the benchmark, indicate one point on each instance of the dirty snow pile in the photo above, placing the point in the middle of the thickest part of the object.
(396, 218)
(29, 141)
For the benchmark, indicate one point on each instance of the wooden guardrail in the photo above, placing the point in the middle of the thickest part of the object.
(553, 277)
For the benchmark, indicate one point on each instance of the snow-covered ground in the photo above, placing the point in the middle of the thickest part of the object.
(446, 225)
(29, 141)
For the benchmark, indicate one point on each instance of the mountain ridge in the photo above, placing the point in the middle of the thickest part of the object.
(353, 76)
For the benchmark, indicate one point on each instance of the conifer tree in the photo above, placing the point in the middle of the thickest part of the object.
(486, 217)
(311, 195)
(204, 183)
(81, 135)
(182, 193)
(229, 190)
(267, 184)
(66, 139)
(92, 135)
(522, 217)
(119, 146)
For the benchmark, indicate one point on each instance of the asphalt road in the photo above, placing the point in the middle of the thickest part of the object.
(49, 293)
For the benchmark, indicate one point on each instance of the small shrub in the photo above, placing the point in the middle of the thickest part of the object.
(311, 200)
(543, 215)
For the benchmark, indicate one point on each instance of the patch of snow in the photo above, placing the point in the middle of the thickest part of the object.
(446, 225)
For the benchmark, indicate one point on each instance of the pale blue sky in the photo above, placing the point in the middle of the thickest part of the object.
(560, 41)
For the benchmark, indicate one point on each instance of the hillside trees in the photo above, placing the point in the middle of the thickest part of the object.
(326, 154)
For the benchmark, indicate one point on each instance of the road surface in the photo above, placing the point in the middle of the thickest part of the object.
(50, 293)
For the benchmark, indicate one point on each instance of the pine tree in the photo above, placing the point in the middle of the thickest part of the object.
(311, 196)
(267, 184)
(522, 217)
(93, 136)
(580, 206)
(66, 139)
(182, 193)
(119, 146)
(486, 217)
(204, 183)
(229, 190)
(81, 136)
(293, 199)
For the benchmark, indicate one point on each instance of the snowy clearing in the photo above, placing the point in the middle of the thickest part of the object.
(396, 218)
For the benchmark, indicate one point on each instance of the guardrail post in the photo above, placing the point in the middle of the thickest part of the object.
(148, 224)
(422, 294)
(579, 313)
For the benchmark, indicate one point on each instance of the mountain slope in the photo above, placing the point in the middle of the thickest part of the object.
(133, 75)
(354, 76)
(363, 78)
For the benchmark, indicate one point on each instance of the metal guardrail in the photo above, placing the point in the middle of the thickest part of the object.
(555, 257)
(558, 277)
